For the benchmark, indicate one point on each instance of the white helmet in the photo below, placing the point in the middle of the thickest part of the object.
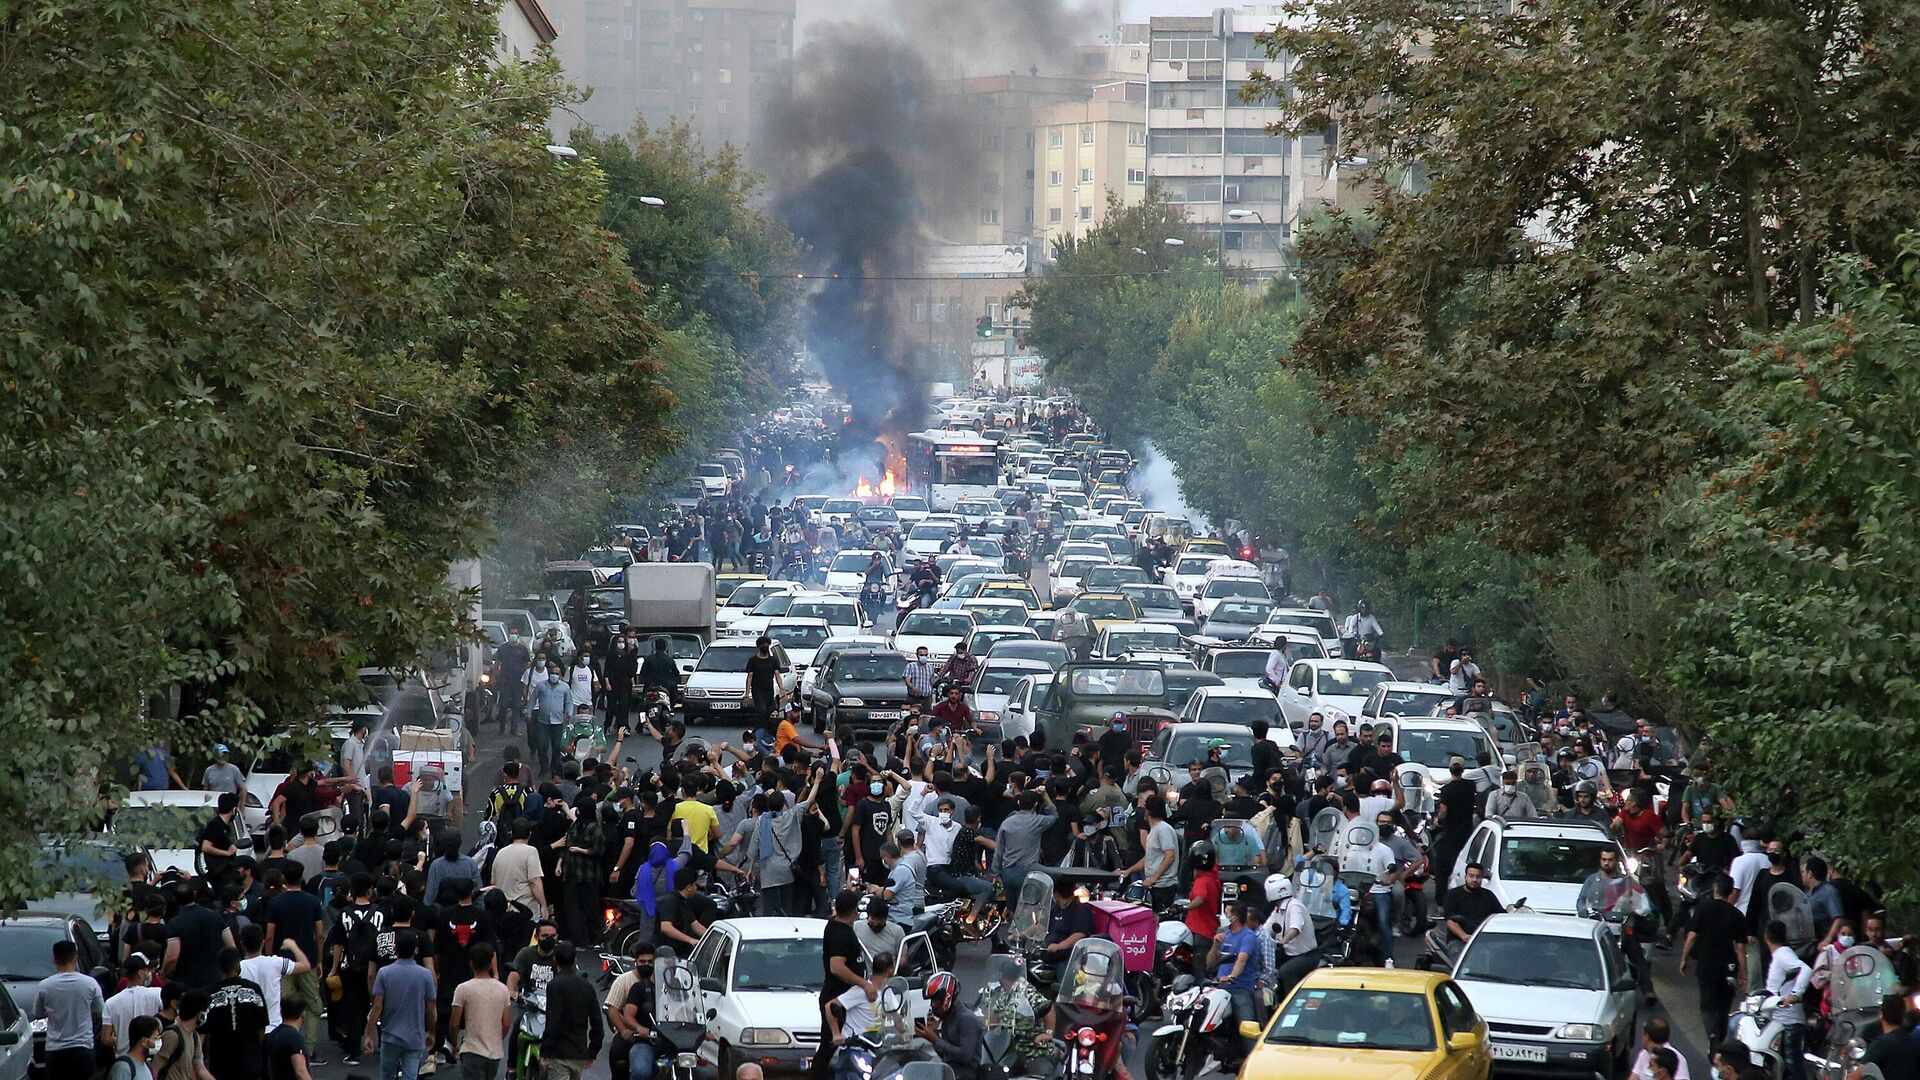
(1624, 746)
(1279, 888)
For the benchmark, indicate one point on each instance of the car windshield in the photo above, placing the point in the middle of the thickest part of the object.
(930, 624)
(1104, 607)
(936, 531)
(1240, 613)
(1152, 596)
(853, 562)
(777, 604)
(1116, 682)
(752, 593)
(879, 513)
(1240, 664)
(1000, 680)
(1351, 682)
(1187, 748)
(1550, 858)
(982, 639)
(871, 667)
(996, 615)
(1435, 749)
(160, 826)
(683, 646)
(986, 546)
(725, 587)
(798, 637)
(1409, 702)
(607, 600)
(543, 608)
(728, 659)
(1239, 710)
(612, 558)
(1533, 960)
(1065, 474)
(779, 964)
(1355, 1020)
(1143, 641)
(1194, 564)
(841, 506)
(912, 504)
(1235, 586)
(835, 612)
(26, 950)
(1078, 568)
(1117, 575)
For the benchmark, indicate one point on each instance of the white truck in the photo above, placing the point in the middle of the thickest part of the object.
(675, 601)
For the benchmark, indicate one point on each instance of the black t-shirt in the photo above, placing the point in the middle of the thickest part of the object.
(1064, 922)
(1897, 1055)
(839, 940)
(874, 818)
(1385, 763)
(198, 929)
(220, 834)
(462, 926)
(1459, 797)
(1113, 752)
(1720, 929)
(762, 674)
(1757, 911)
(293, 914)
(1470, 907)
(1715, 852)
(512, 658)
(235, 1019)
(282, 1045)
(536, 970)
(683, 912)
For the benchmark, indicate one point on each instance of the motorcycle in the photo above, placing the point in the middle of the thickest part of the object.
(678, 1024)
(1027, 930)
(1754, 1027)
(1621, 903)
(1858, 979)
(584, 738)
(529, 1027)
(1089, 1008)
(1191, 1042)
(888, 1052)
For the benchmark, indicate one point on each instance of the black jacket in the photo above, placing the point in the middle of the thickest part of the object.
(574, 1030)
(657, 672)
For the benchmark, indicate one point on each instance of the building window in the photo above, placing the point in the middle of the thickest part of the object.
(990, 216)
(1186, 45)
(1029, 216)
(724, 106)
(1029, 140)
(939, 311)
(726, 75)
(1183, 143)
(919, 311)
(1136, 136)
(1086, 176)
(1055, 140)
(1086, 136)
(1053, 178)
(993, 310)
(1136, 176)
(1086, 213)
(1053, 215)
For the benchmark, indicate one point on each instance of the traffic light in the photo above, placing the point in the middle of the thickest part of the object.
(984, 326)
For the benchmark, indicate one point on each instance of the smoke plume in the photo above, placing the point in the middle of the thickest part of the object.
(870, 149)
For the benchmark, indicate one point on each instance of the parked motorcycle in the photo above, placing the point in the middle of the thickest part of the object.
(1190, 1042)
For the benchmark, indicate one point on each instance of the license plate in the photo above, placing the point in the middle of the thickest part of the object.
(726, 704)
(1510, 1052)
(885, 714)
(806, 1063)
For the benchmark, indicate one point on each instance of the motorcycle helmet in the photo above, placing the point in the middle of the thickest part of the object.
(942, 991)
(1279, 889)
(1587, 787)
(1201, 856)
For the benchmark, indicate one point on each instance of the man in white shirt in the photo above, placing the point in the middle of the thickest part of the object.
(1746, 869)
(1278, 662)
(1379, 801)
(1386, 869)
(517, 872)
(267, 971)
(1461, 675)
(862, 1015)
(140, 998)
(1787, 979)
(1289, 930)
(1653, 1036)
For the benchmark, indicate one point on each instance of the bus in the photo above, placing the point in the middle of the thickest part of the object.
(948, 466)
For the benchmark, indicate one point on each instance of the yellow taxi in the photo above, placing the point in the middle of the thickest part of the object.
(1103, 609)
(1370, 1024)
(1011, 590)
(1208, 545)
(724, 584)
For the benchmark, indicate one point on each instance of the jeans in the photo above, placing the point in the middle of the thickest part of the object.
(1292, 970)
(543, 746)
(943, 878)
(475, 1067)
(1245, 1007)
(1013, 878)
(1793, 1052)
(1716, 1004)
(1383, 916)
(640, 1061)
(776, 899)
(399, 1062)
(832, 860)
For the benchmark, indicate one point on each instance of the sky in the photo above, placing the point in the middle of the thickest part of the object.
(811, 11)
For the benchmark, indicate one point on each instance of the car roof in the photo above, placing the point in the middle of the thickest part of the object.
(1552, 828)
(774, 928)
(1212, 692)
(1421, 687)
(817, 624)
(1403, 980)
(1211, 730)
(1540, 925)
(1015, 663)
(1140, 627)
(1436, 723)
(1324, 663)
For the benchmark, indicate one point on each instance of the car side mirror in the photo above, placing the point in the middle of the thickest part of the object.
(1625, 983)
(711, 986)
(1462, 1041)
(1249, 1029)
(9, 1038)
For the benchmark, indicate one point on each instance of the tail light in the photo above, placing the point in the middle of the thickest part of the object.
(1246, 553)
(1085, 1037)
(609, 917)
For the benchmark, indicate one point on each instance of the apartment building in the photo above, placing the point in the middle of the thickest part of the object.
(1084, 152)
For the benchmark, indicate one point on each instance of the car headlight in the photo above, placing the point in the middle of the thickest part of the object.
(853, 701)
(989, 716)
(695, 692)
(1581, 1032)
(764, 1037)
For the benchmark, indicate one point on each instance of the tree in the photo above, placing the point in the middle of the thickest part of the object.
(1796, 561)
(293, 298)
(1590, 203)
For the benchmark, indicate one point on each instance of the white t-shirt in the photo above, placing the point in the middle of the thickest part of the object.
(1381, 862)
(862, 1015)
(1746, 869)
(266, 971)
(1294, 917)
(121, 1008)
(581, 679)
(1643, 1066)
(1372, 806)
(1461, 675)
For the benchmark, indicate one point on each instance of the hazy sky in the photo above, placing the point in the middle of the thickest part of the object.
(1132, 10)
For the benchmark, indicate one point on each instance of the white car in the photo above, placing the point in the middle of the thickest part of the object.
(826, 652)
(1543, 861)
(719, 681)
(1320, 621)
(754, 623)
(1429, 744)
(760, 984)
(840, 612)
(937, 631)
(1336, 689)
(1233, 705)
(1405, 699)
(840, 510)
(741, 602)
(1121, 638)
(996, 682)
(1228, 587)
(975, 512)
(847, 573)
(1067, 575)
(713, 476)
(1066, 480)
(928, 538)
(168, 823)
(1187, 574)
(913, 509)
(801, 639)
(1557, 993)
(1240, 669)
(988, 611)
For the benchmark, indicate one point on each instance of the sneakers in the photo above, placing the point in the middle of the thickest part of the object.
(352, 1061)
(1389, 961)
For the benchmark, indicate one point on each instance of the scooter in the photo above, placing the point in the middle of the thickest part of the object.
(1754, 1027)
(529, 1027)
(1189, 1044)
(678, 1027)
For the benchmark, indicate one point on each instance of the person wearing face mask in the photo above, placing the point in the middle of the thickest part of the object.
(1509, 803)
(1713, 847)
(622, 666)
(1452, 821)
(631, 1054)
(583, 678)
(1113, 745)
(940, 830)
(869, 826)
(548, 705)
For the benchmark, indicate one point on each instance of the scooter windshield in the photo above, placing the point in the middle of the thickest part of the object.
(1028, 925)
(676, 993)
(1094, 976)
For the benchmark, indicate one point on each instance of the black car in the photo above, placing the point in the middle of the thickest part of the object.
(864, 688)
(26, 958)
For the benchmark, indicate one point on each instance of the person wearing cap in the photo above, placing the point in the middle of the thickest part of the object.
(139, 998)
(788, 732)
(223, 775)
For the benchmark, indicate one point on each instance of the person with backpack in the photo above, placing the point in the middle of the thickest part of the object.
(352, 947)
(143, 1039)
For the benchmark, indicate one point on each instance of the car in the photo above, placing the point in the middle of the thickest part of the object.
(1358, 1023)
(1430, 743)
(1088, 693)
(1120, 638)
(609, 558)
(840, 612)
(994, 685)
(1542, 861)
(958, 568)
(1321, 621)
(864, 688)
(1043, 623)
(985, 637)
(84, 867)
(1009, 588)
(1178, 745)
(833, 646)
(1065, 480)
(1162, 659)
(724, 584)
(1030, 707)
(1051, 653)
(1404, 698)
(719, 681)
(1242, 669)
(1305, 640)
(1106, 609)
(912, 509)
(801, 638)
(1557, 993)
(975, 512)
(839, 510)
(168, 823)
(712, 476)
(745, 597)
(1157, 603)
(688, 494)
(684, 647)
(1109, 578)
(996, 612)
(1183, 684)
(26, 959)
(926, 538)
(847, 572)
(937, 631)
(879, 519)
(1334, 688)
(1234, 705)
(754, 623)
(1210, 546)
(1082, 549)
(760, 984)
(1228, 587)
(1067, 577)
(1234, 620)
(1187, 574)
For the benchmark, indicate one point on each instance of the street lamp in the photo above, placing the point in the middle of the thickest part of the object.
(559, 151)
(1174, 241)
(1241, 213)
(652, 200)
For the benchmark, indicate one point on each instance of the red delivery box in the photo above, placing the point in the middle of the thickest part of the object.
(1132, 926)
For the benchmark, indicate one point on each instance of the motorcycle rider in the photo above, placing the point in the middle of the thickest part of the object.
(1203, 902)
(1465, 909)
(1509, 803)
(1314, 742)
(1234, 957)
(1586, 806)
(1611, 889)
(960, 667)
(1289, 930)
(1362, 628)
(1010, 1004)
(954, 1030)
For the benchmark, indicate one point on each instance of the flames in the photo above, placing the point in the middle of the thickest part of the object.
(865, 489)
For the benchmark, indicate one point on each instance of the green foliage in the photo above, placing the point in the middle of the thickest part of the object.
(1798, 644)
(1616, 195)
(292, 296)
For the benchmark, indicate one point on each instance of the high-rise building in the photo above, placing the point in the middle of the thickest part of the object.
(524, 27)
(1211, 152)
(1083, 152)
(999, 113)
(717, 65)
